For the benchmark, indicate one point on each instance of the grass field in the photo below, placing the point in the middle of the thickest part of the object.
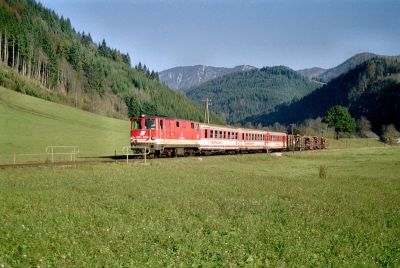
(352, 143)
(243, 210)
(28, 125)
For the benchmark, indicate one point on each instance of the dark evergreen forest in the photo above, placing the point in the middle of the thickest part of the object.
(41, 54)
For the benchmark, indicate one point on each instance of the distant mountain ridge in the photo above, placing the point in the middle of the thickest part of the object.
(371, 89)
(185, 77)
(238, 95)
(326, 75)
(311, 73)
(346, 66)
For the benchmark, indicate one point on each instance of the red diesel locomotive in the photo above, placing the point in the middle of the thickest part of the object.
(178, 137)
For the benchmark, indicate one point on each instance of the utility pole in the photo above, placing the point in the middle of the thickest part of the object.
(292, 125)
(206, 113)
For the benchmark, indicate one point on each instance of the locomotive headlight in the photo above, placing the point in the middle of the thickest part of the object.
(131, 139)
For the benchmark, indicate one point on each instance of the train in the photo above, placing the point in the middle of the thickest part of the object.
(163, 136)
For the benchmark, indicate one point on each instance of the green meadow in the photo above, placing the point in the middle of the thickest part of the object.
(28, 125)
(241, 210)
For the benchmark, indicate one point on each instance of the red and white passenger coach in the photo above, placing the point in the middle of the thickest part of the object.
(168, 136)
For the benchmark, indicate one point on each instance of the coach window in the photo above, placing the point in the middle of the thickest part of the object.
(150, 124)
(206, 133)
(220, 134)
(177, 123)
(211, 134)
(161, 124)
(192, 125)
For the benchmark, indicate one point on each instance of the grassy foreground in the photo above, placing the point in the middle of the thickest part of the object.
(246, 210)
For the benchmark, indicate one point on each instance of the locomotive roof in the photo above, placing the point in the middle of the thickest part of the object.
(163, 117)
(212, 125)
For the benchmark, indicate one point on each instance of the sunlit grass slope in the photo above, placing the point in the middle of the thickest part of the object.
(244, 210)
(29, 124)
(351, 143)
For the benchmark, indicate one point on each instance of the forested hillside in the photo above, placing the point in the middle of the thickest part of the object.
(372, 90)
(239, 95)
(42, 55)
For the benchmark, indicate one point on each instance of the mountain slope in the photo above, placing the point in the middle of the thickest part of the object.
(371, 89)
(344, 67)
(183, 78)
(42, 47)
(239, 95)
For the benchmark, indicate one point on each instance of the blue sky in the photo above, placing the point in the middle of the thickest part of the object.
(298, 33)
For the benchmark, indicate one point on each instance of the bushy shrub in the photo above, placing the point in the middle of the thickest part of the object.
(390, 135)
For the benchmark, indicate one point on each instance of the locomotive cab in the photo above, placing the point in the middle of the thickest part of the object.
(143, 131)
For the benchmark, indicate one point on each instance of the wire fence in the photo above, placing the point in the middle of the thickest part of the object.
(58, 154)
(53, 153)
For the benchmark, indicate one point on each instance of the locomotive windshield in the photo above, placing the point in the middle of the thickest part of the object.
(136, 124)
(150, 123)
